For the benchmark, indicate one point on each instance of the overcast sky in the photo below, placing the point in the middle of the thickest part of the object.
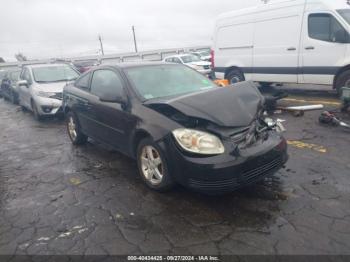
(58, 28)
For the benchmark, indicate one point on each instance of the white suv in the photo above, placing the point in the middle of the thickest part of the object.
(192, 61)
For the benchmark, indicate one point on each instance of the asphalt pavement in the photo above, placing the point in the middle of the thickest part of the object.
(59, 199)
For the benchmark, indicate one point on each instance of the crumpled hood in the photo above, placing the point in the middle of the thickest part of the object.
(232, 106)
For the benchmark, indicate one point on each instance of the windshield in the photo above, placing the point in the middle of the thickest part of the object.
(54, 74)
(190, 59)
(167, 80)
(345, 13)
(205, 53)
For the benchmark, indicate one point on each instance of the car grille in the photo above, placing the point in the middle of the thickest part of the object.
(248, 176)
(253, 174)
(58, 96)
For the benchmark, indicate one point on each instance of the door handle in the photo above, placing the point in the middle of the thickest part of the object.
(291, 49)
(309, 48)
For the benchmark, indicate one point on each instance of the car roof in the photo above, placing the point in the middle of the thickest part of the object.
(45, 65)
(134, 64)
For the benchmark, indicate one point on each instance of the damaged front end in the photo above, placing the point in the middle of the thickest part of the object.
(235, 113)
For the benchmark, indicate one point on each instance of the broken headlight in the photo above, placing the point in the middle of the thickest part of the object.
(198, 142)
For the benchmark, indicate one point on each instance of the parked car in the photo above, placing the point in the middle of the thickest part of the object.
(2, 74)
(83, 66)
(301, 41)
(40, 88)
(9, 85)
(203, 55)
(180, 126)
(192, 61)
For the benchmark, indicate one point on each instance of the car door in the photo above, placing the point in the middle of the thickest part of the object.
(276, 46)
(81, 104)
(112, 121)
(24, 91)
(322, 51)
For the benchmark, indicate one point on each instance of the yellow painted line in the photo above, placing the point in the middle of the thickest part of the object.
(75, 181)
(303, 145)
(312, 101)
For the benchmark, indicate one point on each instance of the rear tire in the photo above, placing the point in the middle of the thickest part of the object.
(235, 76)
(343, 80)
(74, 130)
(153, 167)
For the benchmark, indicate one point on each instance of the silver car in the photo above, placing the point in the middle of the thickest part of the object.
(40, 88)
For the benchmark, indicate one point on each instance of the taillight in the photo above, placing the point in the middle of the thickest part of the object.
(212, 54)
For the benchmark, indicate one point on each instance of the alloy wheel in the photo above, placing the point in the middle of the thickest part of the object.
(72, 128)
(151, 165)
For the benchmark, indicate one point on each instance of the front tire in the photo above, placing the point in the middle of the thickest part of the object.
(153, 167)
(343, 80)
(235, 76)
(74, 130)
(36, 113)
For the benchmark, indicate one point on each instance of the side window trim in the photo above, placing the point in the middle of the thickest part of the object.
(89, 74)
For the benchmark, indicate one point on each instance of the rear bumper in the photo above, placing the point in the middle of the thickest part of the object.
(227, 172)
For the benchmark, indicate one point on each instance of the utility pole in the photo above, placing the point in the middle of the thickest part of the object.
(100, 39)
(133, 32)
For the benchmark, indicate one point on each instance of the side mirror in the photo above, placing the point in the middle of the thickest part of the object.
(113, 98)
(341, 36)
(23, 83)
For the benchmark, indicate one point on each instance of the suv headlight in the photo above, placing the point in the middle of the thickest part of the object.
(198, 142)
(45, 94)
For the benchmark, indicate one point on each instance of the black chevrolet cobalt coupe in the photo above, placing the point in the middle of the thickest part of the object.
(180, 126)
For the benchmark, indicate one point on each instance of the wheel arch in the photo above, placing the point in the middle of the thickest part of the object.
(137, 137)
(339, 72)
(229, 69)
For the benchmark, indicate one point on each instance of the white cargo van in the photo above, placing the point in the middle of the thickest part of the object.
(285, 41)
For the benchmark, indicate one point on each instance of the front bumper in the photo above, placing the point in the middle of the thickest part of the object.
(48, 106)
(229, 171)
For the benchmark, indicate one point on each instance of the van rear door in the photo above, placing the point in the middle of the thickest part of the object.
(276, 44)
(323, 51)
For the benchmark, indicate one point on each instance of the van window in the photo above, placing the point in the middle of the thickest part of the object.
(325, 27)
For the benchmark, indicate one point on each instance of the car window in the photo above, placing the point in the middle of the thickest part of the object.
(26, 75)
(83, 82)
(106, 82)
(176, 60)
(14, 76)
(325, 27)
(190, 59)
